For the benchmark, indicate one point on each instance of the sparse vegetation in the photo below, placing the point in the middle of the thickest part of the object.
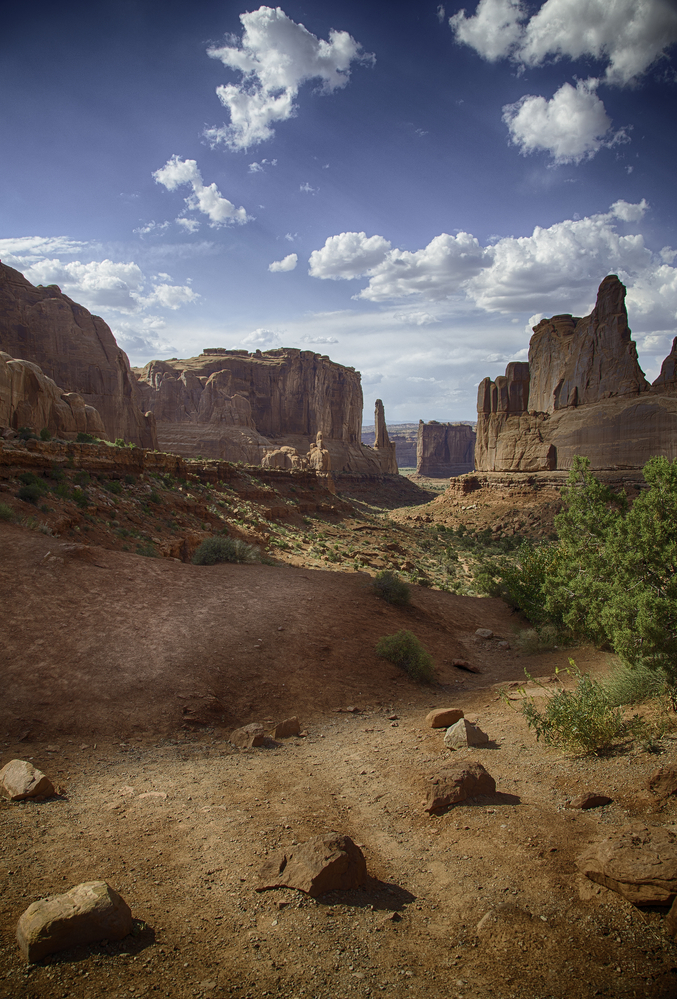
(220, 549)
(389, 587)
(406, 651)
(6, 512)
(84, 438)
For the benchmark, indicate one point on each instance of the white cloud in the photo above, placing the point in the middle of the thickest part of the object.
(275, 57)
(170, 296)
(319, 339)
(191, 225)
(307, 189)
(629, 36)
(258, 167)
(262, 338)
(290, 237)
(151, 227)
(205, 198)
(572, 126)
(36, 247)
(348, 255)
(286, 264)
(552, 270)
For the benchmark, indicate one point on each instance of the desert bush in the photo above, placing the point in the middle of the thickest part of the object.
(84, 438)
(45, 434)
(220, 549)
(80, 498)
(406, 651)
(581, 720)
(26, 434)
(541, 639)
(6, 512)
(113, 486)
(31, 492)
(389, 587)
(637, 684)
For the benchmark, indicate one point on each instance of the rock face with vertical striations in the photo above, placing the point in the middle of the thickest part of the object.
(581, 393)
(235, 405)
(382, 442)
(444, 449)
(75, 349)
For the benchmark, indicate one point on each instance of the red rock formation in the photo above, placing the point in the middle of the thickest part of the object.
(582, 392)
(382, 443)
(444, 449)
(75, 349)
(29, 399)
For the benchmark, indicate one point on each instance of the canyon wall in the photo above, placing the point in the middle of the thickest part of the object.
(76, 350)
(444, 449)
(581, 392)
(238, 406)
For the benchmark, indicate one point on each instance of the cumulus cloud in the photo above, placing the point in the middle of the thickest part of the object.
(190, 225)
(553, 269)
(287, 263)
(261, 338)
(348, 255)
(629, 36)
(205, 198)
(275, 56)
(572, 126)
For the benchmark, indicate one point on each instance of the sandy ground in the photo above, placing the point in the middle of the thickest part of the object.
(122, 678)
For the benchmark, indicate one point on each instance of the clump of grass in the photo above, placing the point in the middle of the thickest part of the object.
(541, 639)
(389, 587)
(637, 684)
(406, 651)
(6, 512)
(581, 720)
(220, 549)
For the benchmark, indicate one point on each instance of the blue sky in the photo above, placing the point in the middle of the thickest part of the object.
(404, 186)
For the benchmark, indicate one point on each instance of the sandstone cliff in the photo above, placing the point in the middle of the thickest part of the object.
(444, 449)
(74, 348)
(28, 398)
(238, 406)
(582, 392)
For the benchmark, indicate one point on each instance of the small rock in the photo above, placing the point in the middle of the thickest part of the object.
(663, 782)
(463, 733)
(465, 665)
(20, 780)
(503, 645)
(457, 784)
(484, 633)
(638, 862)
(287, 728)
(443, 717)
(248, 736)
(393, 717)
(161, 795)
(589, 800)
(89, 912)
(322, 864)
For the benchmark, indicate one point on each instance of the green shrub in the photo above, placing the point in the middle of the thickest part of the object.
(80, 498)
(404, 650)
(389, 587)
(220, 549)
(84, 438)
(27, 434)
(581, 720)
(45, 434)
(636, 684)
(113, 487)
(6, 512)
(154, 497)
(31, 493)
(130, 480)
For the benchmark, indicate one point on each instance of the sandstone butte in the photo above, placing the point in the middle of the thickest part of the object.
(582, 392)
(444, 449)
(78, 352)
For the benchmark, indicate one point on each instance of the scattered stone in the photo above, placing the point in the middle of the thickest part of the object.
(161, 795)
(638, 862)
(463, 733)
(503, 645)
(393, 917)
(663, 782)
(464, 664)
(287, 728)
(348, 711)
(322, 864)
(458, 784)
(443, 717)
(393, 717)
(20, 780)
(248, 736)
(484, 633)
(589, 800)
(89, 912)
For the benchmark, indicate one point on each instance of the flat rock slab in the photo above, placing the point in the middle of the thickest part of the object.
(457, 784)
(20, 780)
(443, 717)
(248, 736)
(638, 862)
(463, 733)
(287, 728)
(89, 912)
(484, 633)
(322, 864)
(589, 800)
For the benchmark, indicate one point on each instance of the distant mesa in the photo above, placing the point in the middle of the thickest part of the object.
(582, 392)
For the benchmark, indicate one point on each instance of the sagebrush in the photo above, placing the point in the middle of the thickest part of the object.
(220, 549)
(389, 587)
(406, 651)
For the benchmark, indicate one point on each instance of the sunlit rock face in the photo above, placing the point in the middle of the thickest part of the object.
(582, 392)
(444, 449)
(76, 350)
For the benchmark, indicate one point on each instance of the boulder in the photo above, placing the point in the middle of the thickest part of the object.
(455, 784)
(484, 633)
(322, 864)
(638, 862)
(589, 800)
(89, 912)
(20, 780)
(443, 717)
(248, 736)
(463, 733)
(663, 782)
(287, 728)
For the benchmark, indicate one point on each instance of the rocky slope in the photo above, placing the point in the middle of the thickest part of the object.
(75, 349)
(582, 392)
